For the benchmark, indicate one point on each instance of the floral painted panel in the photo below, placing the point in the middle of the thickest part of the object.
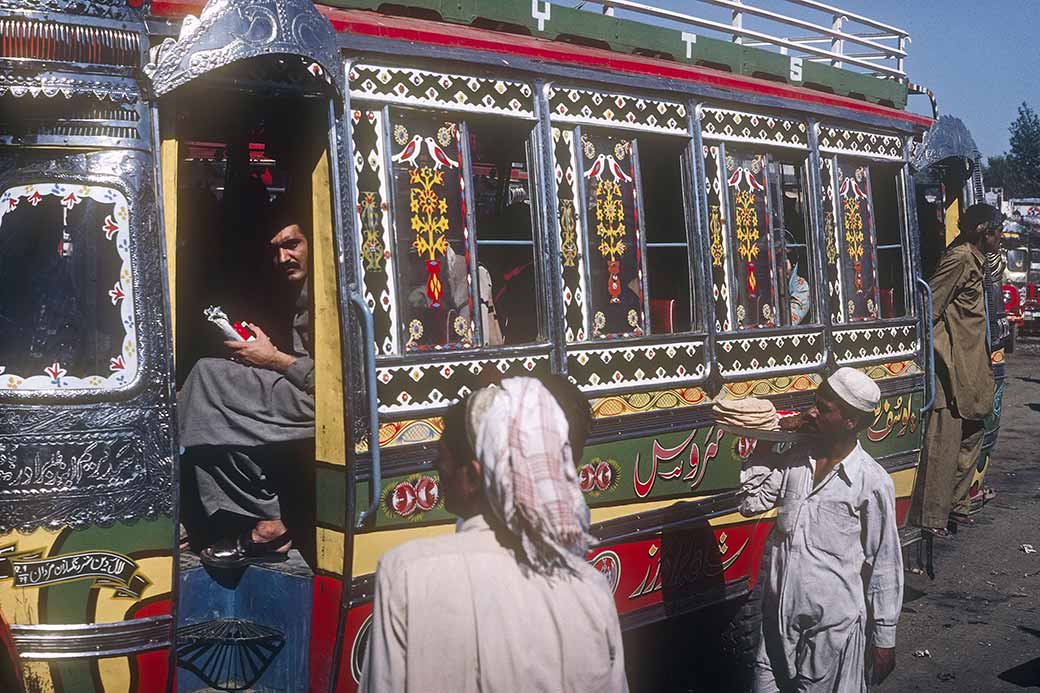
(615, 264)
(431, 233)
(718, 240)
(753, 289)
(856, 241)
(66, 289)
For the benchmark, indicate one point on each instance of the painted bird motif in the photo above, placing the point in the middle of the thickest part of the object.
(410, 153)
(596, 171)
(440, 158)
(617, 171)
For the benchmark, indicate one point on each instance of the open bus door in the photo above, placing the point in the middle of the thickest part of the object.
(251, 99)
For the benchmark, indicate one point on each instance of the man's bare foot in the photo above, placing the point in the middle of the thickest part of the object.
(269, 530)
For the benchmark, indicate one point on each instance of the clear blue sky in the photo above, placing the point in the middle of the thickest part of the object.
(981, 57)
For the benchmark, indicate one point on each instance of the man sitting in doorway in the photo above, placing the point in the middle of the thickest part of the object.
(231, 409)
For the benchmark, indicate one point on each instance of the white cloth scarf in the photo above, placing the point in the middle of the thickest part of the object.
(520, 436)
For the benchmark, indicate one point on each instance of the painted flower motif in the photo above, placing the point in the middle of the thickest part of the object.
(852, 307)
(35, 199)
(415, 332)
(70, 200)
(400, 134)
(56, 373)
(117, 363)
(588, 148)
(767, 312)
(599, 320)
(9, 201)
(621, 150)
(446, 135)
(633, 318)
(741, 313)
(871, 308)
(116, 293)
(109, 227)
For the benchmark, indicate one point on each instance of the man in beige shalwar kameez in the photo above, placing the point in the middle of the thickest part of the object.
(963, 374)
(508, 603)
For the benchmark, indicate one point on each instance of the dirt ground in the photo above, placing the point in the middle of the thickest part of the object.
(979, 618)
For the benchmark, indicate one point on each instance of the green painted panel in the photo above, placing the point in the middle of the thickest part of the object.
(631, 36)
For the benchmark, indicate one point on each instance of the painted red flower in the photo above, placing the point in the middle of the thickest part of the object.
(56, 372)
(110, 227)
(403, 499)
(116, 364)
(116, 293)
(35, 198)
(427, 493)
(70, 200)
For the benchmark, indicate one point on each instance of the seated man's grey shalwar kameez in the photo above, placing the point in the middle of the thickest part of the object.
(235, 410)
(835, 578)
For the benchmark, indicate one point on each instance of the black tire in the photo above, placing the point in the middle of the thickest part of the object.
(729, 660)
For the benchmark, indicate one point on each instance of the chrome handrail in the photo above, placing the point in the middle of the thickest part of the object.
(835, 34)
(926, 349)
(376, 476)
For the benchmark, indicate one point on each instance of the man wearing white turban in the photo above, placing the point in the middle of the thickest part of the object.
(833, 588)
(507, 603)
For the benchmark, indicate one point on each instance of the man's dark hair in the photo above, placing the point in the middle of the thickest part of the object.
(288, 211)
(571, 400)
(977, 215)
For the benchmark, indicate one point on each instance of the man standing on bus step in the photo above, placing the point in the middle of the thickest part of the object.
(833, 571)
(231, 411)
(963, 373)
(507, 603)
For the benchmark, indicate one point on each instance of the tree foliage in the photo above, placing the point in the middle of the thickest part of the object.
(1018, 170)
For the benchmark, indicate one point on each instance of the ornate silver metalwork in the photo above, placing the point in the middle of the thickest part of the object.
(124, 10)
(949, 137)
(229, 31)
(82, 640)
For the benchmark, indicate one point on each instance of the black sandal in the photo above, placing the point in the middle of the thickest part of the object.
(242, 551)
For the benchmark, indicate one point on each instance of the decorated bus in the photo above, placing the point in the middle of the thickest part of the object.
(669, 208)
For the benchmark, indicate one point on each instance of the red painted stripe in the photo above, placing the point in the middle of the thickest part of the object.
(455, 36)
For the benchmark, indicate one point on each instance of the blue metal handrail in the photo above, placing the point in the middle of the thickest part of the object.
(929, 356)
(375, 478)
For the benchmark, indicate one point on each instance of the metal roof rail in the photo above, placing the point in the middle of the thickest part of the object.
(881, 59)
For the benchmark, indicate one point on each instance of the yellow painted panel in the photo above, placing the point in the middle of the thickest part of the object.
(114, 673)
(170, 157)
(330, 550)
(37, 677)
(158, 569)
(21, 606)
(904, 482)
(330, 444)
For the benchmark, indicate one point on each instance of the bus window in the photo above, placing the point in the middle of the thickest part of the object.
(771, 253)
(504, 233)
(1034, 266)
(871, 241)
(441, 165)
(884, 183)
(667, 243)
(1016, 260)
(638, 248)
(66, 289)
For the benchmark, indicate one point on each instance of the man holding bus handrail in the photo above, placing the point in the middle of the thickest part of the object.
(963, 373)
(833, 588)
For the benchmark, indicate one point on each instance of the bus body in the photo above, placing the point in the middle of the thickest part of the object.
(494, 189)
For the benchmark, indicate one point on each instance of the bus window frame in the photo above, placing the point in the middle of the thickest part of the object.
(543, 345)
(908, 254)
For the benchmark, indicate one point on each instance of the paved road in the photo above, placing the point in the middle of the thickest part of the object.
(980, 617)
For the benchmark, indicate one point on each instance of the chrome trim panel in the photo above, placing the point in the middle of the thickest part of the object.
(87, 640)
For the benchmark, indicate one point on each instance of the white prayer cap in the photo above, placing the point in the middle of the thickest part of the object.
(855, 388)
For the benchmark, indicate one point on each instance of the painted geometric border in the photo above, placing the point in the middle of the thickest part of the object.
(418, 387)
(851, 346)
(749, 355)
(842, 141)
(412, 87)
(372, 219)
(568, 105)
(569, 227)
(737, 126)
(594, 370)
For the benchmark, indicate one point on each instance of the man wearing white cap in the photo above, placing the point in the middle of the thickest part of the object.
(834, 584)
